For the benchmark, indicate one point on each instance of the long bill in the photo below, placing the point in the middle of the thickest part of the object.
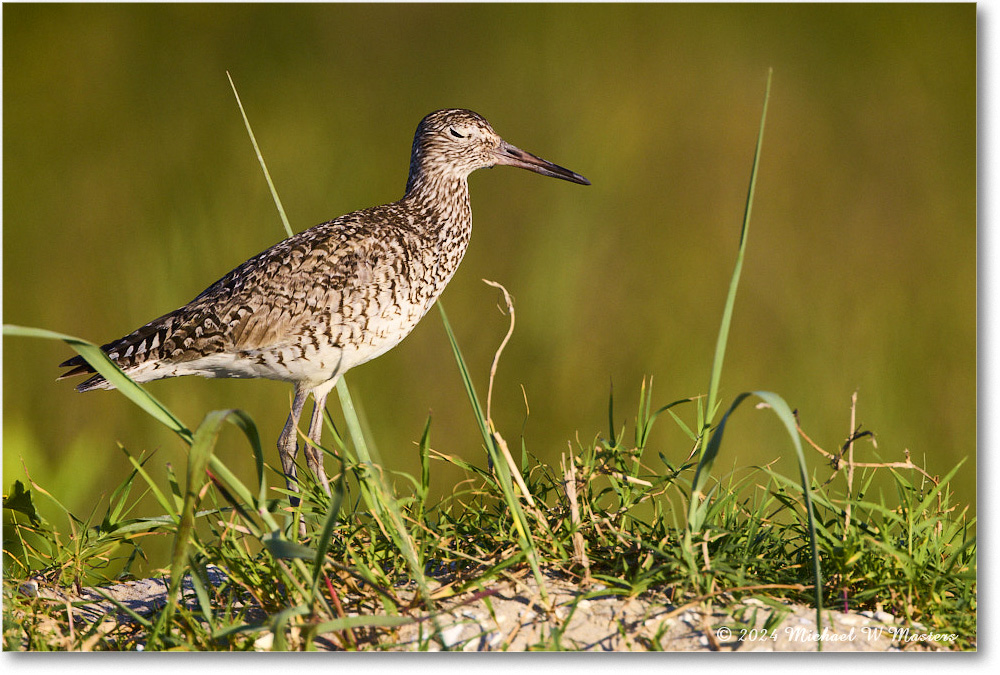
(509, 155)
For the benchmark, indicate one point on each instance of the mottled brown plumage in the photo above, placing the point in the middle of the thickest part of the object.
(336, 295)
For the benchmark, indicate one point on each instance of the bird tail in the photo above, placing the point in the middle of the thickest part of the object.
(128, 352)
(78, 366)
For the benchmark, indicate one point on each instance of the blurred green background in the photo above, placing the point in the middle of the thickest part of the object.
(129, 185)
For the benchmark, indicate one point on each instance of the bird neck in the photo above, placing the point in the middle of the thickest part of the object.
(442, 198)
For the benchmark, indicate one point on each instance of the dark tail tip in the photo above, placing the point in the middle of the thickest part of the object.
(78, 366)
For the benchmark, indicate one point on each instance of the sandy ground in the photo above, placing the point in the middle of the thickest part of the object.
(512, 616)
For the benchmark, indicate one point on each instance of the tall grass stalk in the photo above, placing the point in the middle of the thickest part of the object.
(260, 158)
(699, 501)
(734, 282)
(497, 460)
(378, 494)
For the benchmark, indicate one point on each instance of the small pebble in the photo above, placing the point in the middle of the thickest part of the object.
(452, 635)
(264, 642)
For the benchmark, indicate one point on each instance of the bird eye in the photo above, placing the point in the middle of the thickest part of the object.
(455, 133)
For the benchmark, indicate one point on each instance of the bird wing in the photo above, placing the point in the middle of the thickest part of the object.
(274, 298)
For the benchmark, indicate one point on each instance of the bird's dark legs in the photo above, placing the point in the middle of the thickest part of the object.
(314, 456)
(287, 442)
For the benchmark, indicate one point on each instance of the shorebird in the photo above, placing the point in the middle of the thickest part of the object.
(332, 297)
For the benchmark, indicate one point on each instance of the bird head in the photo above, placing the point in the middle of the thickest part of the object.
(455, 142)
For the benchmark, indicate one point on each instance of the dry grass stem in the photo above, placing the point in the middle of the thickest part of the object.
(570, 487)
(837, 460)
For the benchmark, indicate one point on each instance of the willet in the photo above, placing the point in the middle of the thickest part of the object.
(332, 297)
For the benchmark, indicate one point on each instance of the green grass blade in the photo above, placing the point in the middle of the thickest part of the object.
(260, 158)
(202, 449)
(524, 536)
(22, 501)
(470, 389)
(784, 413)
(326, 534)
(93, 355)
(118, 502)
(649, 418)
(379, 495)
(699, 505)
(198, 576)
(286, 549)
(424, 450)
(727, 313)
(611, 414)
(164, 502)
(246, 424)
(353, 423)
(364, 622)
